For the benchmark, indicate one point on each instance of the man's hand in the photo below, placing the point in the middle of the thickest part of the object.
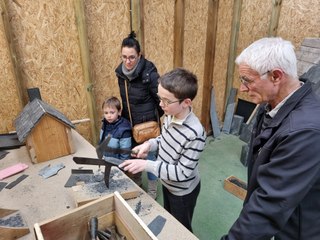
(134, 165)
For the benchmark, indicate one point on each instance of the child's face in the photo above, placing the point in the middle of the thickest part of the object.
(171, 105)
(111, 114)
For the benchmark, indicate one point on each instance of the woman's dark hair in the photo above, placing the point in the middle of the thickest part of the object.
(131, 42)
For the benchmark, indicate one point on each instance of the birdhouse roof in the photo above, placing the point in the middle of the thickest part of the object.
(31, 115)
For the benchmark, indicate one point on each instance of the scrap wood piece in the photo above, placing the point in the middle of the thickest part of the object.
(12, 224)
(9, 171)
(235, 186)
(15, 182)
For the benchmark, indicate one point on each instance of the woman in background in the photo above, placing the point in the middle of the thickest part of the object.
(141, 78)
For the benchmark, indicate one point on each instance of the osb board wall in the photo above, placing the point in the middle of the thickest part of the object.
(158, 37)
(46, 42)
(108, 23)
(195, 44)
(299, 20)
(221, 54)
(9, 99)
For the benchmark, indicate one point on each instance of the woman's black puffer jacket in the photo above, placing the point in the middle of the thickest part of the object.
(142, 91)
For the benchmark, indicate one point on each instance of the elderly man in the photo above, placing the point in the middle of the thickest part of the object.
(283, 197)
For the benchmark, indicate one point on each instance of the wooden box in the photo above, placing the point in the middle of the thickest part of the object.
(236, 186)
(110, 210)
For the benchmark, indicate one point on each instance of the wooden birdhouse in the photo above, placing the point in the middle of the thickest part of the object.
(46, 131)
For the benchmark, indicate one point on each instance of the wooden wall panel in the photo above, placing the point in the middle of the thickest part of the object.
(108, 24)
(221, 54)
(10, 105)
(46, 42)
(158, 35)
(298, 20)
(195, 44)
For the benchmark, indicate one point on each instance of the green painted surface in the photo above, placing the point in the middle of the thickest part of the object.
(216, 208)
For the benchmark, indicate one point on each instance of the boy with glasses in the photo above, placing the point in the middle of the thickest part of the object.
(179, 146)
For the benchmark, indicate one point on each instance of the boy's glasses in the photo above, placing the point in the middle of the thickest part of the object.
(167, 102)
(130, 58)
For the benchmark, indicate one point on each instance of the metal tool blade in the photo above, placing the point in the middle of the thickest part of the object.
(89, 161)
(101, 147)
(94, 161)
(118, 150)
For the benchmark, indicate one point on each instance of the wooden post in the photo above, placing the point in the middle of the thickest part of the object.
(85, 59)
(178, 33)
(274, 19)
(21, 85)
(233, 45)
(209, 61)
(137, 22)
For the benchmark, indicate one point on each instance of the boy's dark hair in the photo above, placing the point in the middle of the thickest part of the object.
(181, 82)
(131, 42)
(112, 102)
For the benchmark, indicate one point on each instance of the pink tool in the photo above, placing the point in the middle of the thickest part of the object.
(9, 171)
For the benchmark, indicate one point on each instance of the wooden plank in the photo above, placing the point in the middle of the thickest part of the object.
(21, 84)
(86, 66)
(137, 21)
(274, 19)
(133, 223)
(74, 224)
(233, 44)
(179, 10)
(212, 22)
(235, 186)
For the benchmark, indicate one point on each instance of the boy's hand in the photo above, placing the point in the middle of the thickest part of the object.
(134, 165)
(141, 151)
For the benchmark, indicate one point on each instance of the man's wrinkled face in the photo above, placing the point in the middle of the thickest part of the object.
(259, 88)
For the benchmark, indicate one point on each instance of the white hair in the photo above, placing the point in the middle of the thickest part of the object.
(268, 53)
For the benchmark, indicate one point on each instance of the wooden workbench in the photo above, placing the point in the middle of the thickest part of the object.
(39, 199)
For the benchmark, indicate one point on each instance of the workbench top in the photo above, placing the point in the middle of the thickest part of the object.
(39, 199)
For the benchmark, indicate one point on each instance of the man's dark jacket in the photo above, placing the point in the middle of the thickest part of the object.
(142, 91)
(283, 198)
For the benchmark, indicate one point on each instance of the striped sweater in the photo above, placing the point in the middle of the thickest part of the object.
(179, 147)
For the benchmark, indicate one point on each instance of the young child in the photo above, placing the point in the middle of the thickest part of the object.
(117, 126)
(179, 146)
